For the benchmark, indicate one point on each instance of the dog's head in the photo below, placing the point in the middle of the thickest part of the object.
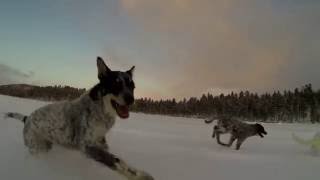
(115, 89)
(260, 130)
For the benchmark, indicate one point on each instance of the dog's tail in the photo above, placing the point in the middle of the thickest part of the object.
(208, 121)
(14, 115)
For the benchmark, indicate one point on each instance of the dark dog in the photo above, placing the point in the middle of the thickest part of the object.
(239, 131)
(81, 124)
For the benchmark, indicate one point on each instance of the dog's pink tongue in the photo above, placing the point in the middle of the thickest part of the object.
(123, 111)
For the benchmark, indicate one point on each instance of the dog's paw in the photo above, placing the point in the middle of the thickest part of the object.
(141, 175)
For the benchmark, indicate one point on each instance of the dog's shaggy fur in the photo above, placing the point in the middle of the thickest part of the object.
(239, 131)
(82, 123)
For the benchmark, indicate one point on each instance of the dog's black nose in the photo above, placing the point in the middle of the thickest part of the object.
(129, 99)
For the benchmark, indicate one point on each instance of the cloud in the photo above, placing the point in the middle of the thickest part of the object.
(230, 44)
(10, 75)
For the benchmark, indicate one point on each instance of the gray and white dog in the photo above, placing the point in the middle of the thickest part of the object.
(239, 131)
(81, 124)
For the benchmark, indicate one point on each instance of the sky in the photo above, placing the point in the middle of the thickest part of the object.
(181, 48)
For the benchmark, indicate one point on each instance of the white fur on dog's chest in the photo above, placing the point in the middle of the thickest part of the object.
(99, 129)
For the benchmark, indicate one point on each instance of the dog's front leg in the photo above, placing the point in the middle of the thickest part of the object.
(102, 143)
(215, 128)
(115, 163)
(239, 142)
(232, 139)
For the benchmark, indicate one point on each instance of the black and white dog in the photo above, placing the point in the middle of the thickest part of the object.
(81, 124)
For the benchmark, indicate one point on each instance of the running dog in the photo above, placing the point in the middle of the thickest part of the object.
(81, 124)
(239, 131)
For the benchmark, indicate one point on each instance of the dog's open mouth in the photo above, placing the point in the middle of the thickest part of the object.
(262, 133)
(122, 110)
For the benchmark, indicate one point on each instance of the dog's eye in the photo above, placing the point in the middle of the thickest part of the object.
(129, 83)
(118, 82)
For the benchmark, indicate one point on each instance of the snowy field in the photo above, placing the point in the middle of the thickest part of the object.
(168, 148)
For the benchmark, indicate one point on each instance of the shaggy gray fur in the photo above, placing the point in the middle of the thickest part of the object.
(70, 124)
(239, 131)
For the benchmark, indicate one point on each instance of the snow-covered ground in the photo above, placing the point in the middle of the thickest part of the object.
(168, 148)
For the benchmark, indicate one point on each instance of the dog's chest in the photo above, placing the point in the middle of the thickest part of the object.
(99, 129)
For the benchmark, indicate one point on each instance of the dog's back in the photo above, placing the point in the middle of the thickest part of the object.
(232, 125)
(229, 124)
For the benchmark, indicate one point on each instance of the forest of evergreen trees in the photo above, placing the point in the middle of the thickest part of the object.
(46, 93)
(300, 105)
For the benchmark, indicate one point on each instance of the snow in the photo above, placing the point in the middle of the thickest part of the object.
(169, 148)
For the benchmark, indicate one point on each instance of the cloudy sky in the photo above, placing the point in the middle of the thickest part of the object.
(181, 48)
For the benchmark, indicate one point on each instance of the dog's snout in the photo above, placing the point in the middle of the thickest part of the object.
(129, 99)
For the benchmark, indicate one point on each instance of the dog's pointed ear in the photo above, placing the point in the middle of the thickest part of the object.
(103, 69)
(131, 71)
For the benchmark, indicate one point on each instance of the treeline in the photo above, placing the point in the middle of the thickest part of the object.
(46, 93)
(299, 105)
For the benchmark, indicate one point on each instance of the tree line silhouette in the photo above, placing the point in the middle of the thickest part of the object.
(299, 105)
(46, 93)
